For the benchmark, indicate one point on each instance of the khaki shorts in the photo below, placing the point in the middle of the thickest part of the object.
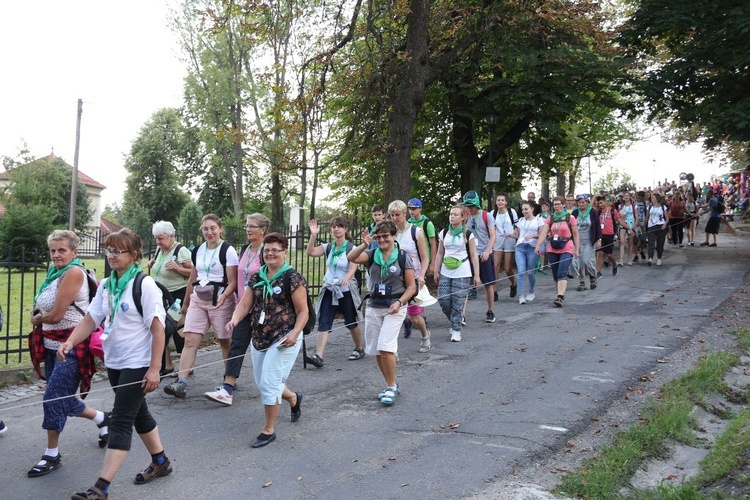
(201, 315)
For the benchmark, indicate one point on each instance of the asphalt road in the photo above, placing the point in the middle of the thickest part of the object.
(470, 414)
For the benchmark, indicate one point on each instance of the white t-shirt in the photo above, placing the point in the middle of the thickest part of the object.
(408, 245)
(129, 342)
(208, 265)
(337, 271)
(530, 228)
(455, 247)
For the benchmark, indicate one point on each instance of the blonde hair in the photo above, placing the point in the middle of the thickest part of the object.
(397, 206)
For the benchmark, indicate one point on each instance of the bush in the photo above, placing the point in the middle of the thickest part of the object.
(23, 232)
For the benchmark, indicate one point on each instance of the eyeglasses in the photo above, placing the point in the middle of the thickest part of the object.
(557, 203)
(250, 226)
(382, 236)
(395, 214)
(115, 252)
(272, 251)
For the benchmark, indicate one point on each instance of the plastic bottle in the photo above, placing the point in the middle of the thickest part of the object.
(174, 310)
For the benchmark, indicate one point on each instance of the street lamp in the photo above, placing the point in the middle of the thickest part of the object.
(588, 159)
(491, 173)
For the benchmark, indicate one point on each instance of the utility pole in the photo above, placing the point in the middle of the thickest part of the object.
(74, 178)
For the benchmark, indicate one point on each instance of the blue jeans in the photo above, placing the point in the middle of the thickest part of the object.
(559, 263)
(526, 263)
(62, 382)
(452, 293)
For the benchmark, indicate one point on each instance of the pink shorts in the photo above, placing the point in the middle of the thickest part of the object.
(414, 310)
(201, 315)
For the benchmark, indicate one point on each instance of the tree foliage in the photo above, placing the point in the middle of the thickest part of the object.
(155, 163)
(46, 182)
(693, 65)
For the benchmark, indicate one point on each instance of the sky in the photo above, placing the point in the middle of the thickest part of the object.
(122, 60)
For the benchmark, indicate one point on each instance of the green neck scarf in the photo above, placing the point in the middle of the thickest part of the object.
(583, 214)
(415, 221)
(336, 252)
(544, 215)
(455, 233)
(384, 266)
(115, 287)
(560, 217)
(53, 273)
(265, 281)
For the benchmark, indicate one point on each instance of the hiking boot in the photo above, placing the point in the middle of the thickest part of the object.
(177, 389)
(490, 317)
(220, 395)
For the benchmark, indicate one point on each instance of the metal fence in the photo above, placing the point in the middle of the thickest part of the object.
(18, 283)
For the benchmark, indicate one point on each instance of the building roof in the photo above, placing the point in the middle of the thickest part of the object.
(85, 179)
(109, 227)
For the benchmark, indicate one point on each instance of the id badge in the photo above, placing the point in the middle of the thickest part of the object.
(602, 225)
(262, 317)
(203, 282)
(556, 237)
(381, 289)
(106, 333)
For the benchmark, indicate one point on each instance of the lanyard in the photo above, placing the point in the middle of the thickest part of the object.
(207, 265)
(163, 256)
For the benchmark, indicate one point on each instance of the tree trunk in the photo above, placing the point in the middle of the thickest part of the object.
(560, 188)
(406, 103)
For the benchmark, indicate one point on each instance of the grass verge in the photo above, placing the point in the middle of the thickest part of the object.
(602, 476)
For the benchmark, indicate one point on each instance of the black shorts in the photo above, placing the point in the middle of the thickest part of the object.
(608, 244)
(486, 270)
(712, 226)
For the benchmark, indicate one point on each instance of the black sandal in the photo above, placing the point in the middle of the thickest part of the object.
(315, 360)
(357, 353)
(50, 464)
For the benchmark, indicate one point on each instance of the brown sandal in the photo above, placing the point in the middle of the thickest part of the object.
(152, 472)
(93, 493)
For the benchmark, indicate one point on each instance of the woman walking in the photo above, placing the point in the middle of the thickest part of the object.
(59, 306)
(133, 347)
(210, 298)
(590, 237)
(457, 252)
(562, 247)
(335, 293)
(657, 216)
(527, 236)
(628, 223)
(411, 240)
(251, 258)
(677, 216)
(276, 301)
(392, 285)
(171, 267)
(504, 250)
(691, 218)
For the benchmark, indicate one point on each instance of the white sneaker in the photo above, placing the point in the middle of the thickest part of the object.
(630, 262)
(619, 263)
(521, 299)
(455, 336)
(220, 395)
(658, 262)
(530, 297)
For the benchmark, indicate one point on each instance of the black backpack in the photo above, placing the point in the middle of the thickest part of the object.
(311, 317)
(170, 325)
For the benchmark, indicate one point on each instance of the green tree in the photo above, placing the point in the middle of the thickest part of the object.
(692, 65)
(23, 232)
(189, 223)
(47, 182)
(154, 164)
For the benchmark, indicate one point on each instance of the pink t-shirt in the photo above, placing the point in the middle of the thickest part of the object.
(562, 230)
(249, 265)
